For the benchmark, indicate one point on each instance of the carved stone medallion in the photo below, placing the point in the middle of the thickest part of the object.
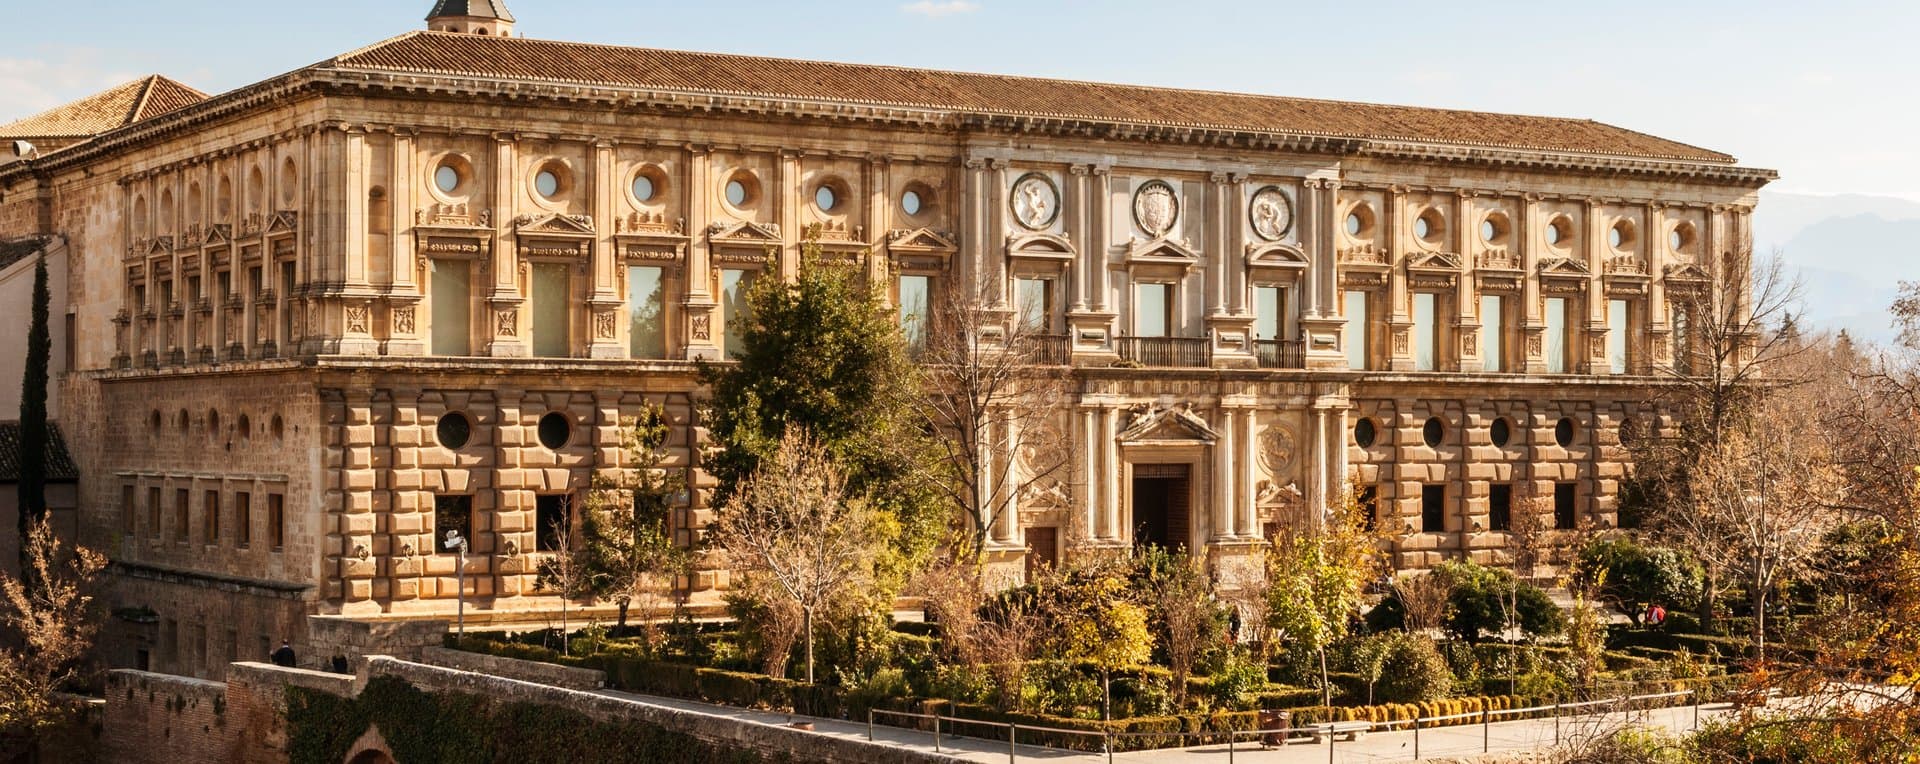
(1155, 208)
(1276, 449)
(1036, 202)
(1271, 213)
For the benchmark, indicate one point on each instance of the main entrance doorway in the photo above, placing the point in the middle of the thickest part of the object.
(1161, 497)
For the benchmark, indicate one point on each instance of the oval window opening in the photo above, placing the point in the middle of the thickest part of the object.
(1353, 224)
(910, 202)
(446, 179)
(547, 183)
(555, 430)
(1363, 433)
(454, 430)
(1563, 432)
(643, 188)
(1501, 432)
(1421, 228)
(736, 193)
(1432, 432)
(823, 198)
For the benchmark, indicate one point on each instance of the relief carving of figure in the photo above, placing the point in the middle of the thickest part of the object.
(1271, 213)
(1035, 201)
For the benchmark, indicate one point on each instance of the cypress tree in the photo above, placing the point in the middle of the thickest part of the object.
(33, 413)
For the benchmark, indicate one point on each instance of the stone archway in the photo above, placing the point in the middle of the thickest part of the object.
(370, 748)
(372, 757)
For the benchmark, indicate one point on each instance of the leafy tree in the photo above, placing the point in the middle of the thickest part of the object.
(1187, 621)
(1411, 669)
(32, 487)
(793, 523)
(1637, 575)
(1316, 581)
(1479, 601)
(48, 619)
(563, 571)
(1091, 615)
(823, 355)
(629, 552)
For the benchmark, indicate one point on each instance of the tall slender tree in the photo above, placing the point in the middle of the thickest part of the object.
(33, 415)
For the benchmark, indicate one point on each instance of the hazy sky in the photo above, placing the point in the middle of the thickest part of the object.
(1823, 92)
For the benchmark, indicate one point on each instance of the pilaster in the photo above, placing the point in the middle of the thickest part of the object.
(502, 318)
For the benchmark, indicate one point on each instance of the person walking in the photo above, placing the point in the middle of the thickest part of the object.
(284, 656)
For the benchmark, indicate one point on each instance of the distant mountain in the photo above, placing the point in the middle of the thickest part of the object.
(1851, 251)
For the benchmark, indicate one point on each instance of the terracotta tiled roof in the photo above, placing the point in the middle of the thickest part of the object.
(60, 465)
(124, 105)
(523, 59)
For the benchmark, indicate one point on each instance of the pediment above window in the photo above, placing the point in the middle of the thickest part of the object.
(1564, 267)
(554, 225)
(744, 232)
(454, 217)
(284, 221)
(921, 241)
(1688, 272)
(1434, 261)
(1162, 251)
(1170, 424)
(218, 234)
(1044, 246)
(1276, 255)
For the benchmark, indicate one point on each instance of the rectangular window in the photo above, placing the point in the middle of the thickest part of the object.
(210, 509)
(452, 513)
(1617, 336)
(181, 512)
(916, 311)
(243, 518)
(1433, 509)
(1151, 310)
(452, 293)
(1564, 517)
(553, 521)
(552, 315)
(646, 312)
(1426, 340)
(127, 516)
(735, 311)
(1033, 304)
(1491, 333)
(153, 512)
(277, 521)
(1555, 341)
(1500, 507)
(1267, 306)
(1356, 333)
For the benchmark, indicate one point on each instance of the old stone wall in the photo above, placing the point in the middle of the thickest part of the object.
(157, 717)
(329, 636)
(512, 668)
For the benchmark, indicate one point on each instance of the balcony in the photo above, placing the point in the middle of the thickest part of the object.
(1280, 354)
(1166, 352)
(1046, 349)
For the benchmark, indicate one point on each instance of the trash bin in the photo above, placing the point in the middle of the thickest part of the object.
(1271, 719)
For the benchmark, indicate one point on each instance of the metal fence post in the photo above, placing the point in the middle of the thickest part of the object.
(1416, 734)
(869, 725)
(1233, 737)
(1556, 721)
(1107, 736)
(1486, 729)
(1696, 710)
(936, 732)
(1013, 735)
(1332, 741)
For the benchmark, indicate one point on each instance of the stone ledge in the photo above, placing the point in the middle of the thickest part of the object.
(513, 668)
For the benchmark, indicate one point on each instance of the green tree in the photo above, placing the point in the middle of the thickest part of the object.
(1188, 621)
(1637, 575)
(1316, 581)
(629, 554)
(33, 416)
(1483, 600)
(823, 354)
(1099, 622)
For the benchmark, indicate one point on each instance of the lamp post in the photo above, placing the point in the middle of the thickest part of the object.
(459, 545)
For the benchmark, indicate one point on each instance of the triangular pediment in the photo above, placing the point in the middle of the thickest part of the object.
(1687, 272)
(1167, 424)
(1275, 256)
(554, 225)
(284, 221)
(1046, 245)
(1433, 261)
(922, 240)
(1564, 266)
(160, 245)
(218, 233)
(744, 232)
(1162, 250)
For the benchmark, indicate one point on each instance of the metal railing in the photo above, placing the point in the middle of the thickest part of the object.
(1045, 349)
(1170, 352)
(1328, 731)
(1280, 354)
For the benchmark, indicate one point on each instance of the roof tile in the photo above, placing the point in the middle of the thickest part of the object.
(123, 105)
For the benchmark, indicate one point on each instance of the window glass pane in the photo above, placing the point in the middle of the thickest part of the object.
(914, 310)
(452, 306)
(1617, 336)
(1150, 309)
(910, 202)
(1031, 299)
(642, 188)
(1266, 313)
(1356, 333)
(1556, 335)
(646, 314)
(1491, 332)
(550, 310)
(1423, 331)
(734, 311)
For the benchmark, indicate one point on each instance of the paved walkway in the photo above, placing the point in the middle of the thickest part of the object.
(1441, 742)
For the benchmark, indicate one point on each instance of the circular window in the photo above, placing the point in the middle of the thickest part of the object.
(742, 190)
(1432, 432)
(910, 202)
(446, 179)
(555, 430)
(1421, 228)
(1430, 226)
(736, 193)
(1353, 224)
(1563, 432)
(1501, 432)
(1487, 231)
(453, 177)
(547, 184)
(1561, 229)
(1674, 240)
(1681, 238)
(1364, 433)
(642, 188)
(454, 430)
(824, 198)
(1621, 235)
(1494, 229)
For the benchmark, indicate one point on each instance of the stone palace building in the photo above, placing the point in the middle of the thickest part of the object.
(320, 320)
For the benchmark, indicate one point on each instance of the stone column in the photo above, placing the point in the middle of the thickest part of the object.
(1466, 311)
(1234, 248)
(403, 302)
(968, 272)
(503, 319)
(1214, 255)
(786, 206)
(604, 301)
(1249, 497)
(1009, 526)
(1073, 213)
(1531, 324)
(1092, 475)
(698, 300)
(1111, 528)
(1398, 225)
(1223, 480)
(1101, 241)
(995, 199)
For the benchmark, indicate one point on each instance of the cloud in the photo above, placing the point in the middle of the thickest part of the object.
(29, 86)
(937, 8)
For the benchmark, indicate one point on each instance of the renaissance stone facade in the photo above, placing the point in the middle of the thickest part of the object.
(320, 320)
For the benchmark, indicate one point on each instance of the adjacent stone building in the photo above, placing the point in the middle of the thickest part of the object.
(320, 320)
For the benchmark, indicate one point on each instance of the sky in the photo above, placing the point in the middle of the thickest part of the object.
(1825, 96)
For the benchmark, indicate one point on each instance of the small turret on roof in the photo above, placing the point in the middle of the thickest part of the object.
(481, 17)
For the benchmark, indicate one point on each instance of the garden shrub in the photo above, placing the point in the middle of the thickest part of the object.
(1236, 682)
(1413, 671)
